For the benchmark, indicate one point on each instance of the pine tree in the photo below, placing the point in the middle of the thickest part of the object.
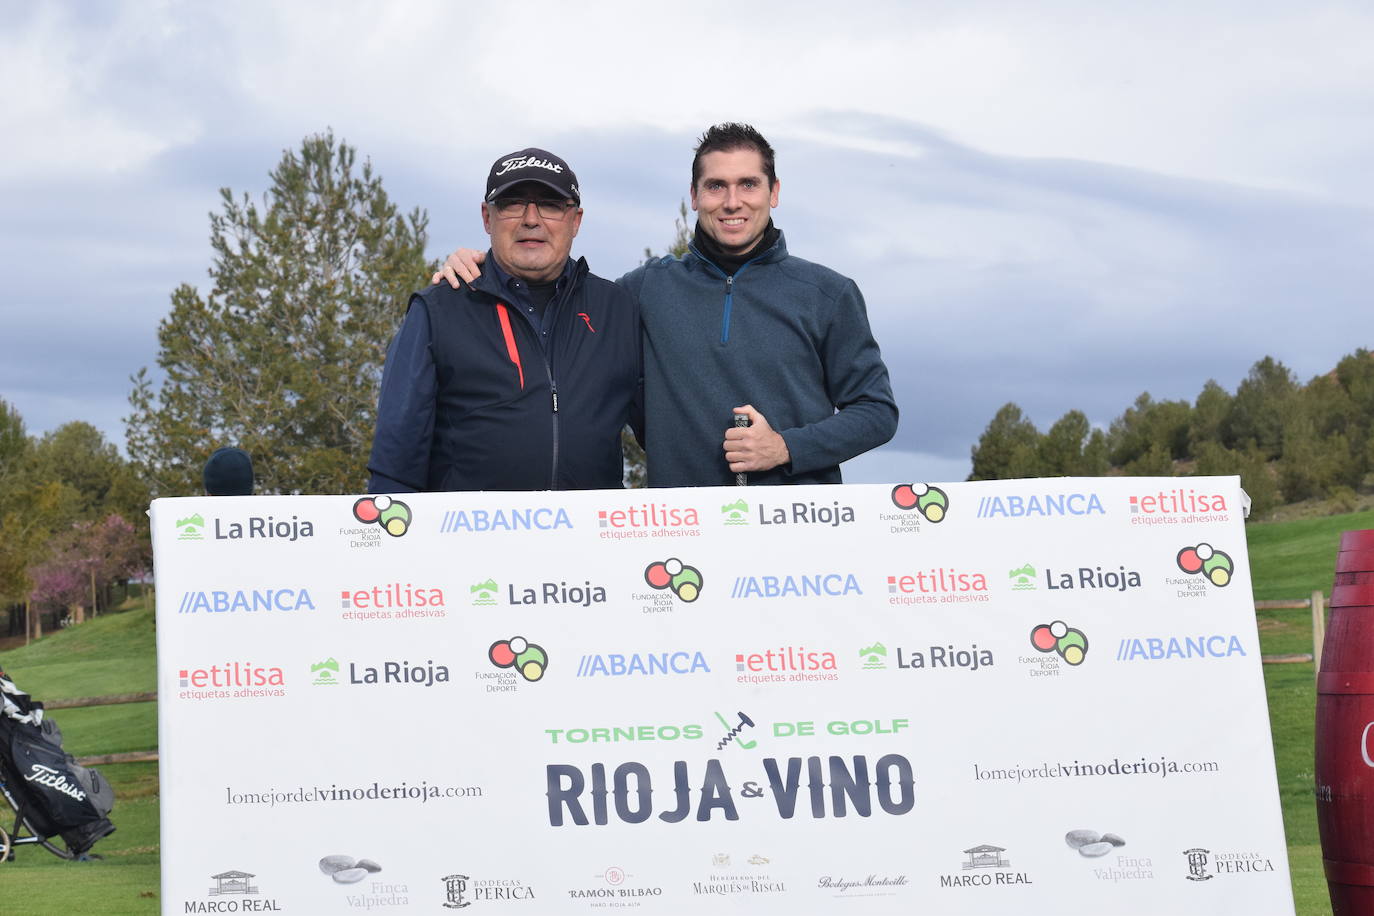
(284, 356)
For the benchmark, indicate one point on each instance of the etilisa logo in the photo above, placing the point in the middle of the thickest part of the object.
(1047, 505)
(814, 585)
(642, 664)
(735, 514)
(675, 576)
(1022, 579)
(931, 502)
(1178, 506)
(1206, 561)
(527, 659)
(940, 585)
(231, 680)
(785, 664)
(392, 601)
(483, 521)
(391, 515)
(191, 528)
(650, 519)
(246, 602)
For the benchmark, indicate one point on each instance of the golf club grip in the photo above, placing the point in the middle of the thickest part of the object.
(741, 478)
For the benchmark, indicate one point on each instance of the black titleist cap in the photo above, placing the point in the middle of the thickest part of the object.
(229, 472)
(535, 165)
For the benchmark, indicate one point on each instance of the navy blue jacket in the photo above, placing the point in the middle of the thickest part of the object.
(471, 399)
(788, 336)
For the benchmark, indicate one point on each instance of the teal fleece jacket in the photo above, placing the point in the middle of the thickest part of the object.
(788, 336)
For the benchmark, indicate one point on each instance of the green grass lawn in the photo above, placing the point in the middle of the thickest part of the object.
(116, 654)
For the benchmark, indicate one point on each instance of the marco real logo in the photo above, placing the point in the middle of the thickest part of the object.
(931, 503)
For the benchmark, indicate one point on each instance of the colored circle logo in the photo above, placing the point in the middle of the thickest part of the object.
(391, 514)
(931, 502)
(1070, 643)
(1205, 560)
(684, 581)
(522, 655)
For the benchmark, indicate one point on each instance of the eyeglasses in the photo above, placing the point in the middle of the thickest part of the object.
(514, 207)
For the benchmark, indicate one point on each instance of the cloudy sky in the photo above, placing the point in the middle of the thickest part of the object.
(1058, 203)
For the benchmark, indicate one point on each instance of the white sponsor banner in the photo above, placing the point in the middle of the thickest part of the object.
(1009, 696)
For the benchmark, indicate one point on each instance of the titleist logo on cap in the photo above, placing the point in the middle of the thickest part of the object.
(527, 162)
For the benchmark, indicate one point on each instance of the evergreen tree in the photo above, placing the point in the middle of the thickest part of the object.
(1007, 448)
(283, 357)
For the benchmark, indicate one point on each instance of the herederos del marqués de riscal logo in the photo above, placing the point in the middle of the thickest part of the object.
(1205, 560)
(530, 660)
(1071, 644)
(931, 502)
(672, 574)
(392, 515)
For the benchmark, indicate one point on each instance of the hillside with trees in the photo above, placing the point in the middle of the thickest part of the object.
(1288, 441)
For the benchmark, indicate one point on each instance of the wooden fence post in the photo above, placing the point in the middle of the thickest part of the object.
(1318, 628)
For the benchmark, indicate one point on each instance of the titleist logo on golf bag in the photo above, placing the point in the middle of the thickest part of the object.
(47, 776)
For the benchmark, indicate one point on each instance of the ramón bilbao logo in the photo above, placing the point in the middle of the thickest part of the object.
(931, 502)
(391, 515)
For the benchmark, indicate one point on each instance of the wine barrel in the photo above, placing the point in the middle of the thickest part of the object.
(1345, 731)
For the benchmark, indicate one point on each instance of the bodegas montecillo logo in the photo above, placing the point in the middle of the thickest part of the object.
(1204, 560)
(931, 502)
(392, 515)
(675, 576)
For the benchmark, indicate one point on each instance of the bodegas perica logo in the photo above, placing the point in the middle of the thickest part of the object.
(392, 515)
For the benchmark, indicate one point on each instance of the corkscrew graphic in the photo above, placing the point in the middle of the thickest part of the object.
(732, 733)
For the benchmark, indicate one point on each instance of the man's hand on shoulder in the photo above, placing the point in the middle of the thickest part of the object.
(462, 264)
(756, 447)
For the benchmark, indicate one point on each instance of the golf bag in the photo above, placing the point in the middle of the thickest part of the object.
(51, 793)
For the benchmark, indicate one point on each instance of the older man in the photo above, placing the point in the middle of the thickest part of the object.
(739, 331)
(523, 379)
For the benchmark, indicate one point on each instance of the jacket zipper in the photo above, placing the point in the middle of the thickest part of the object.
(729, 290)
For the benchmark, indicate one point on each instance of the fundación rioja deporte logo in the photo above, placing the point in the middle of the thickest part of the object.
(391, 514)
(1071, 644)
(684, 581)
(1205, 560)
(931, 502)
(522, 655)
